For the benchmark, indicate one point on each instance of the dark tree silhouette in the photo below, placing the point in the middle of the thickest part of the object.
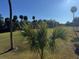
(11, 39)
(34, 22)
(26, 19)
(21, 22)
(7, 25)
(15, 18)
(1, 23)
(33, 17)
(15, 22)
(1, 20)
(39, 21)
(21, 17)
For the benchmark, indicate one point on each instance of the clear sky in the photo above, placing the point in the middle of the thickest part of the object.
(42, 9)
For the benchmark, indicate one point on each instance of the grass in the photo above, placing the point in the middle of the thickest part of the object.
(23, 52)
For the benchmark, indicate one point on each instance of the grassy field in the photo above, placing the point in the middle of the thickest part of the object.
(23, 52)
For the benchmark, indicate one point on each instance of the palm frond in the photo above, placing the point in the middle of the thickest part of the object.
(58, 33)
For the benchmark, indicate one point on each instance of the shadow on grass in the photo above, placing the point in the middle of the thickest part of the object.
(6, 51)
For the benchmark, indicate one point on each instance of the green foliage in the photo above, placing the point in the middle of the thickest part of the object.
(58, 33)
(42, 35)
(30, 34)
(36, 38)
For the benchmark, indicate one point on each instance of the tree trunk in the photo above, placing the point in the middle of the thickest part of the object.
(42, 54)
(10, 9)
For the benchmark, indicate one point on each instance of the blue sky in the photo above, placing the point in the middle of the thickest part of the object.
(42, 9)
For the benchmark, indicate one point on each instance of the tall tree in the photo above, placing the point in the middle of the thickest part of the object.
(11, 36)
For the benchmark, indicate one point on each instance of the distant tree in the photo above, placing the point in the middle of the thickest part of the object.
(15, 23)
(34, 22)
(45, 20)
(33, 17)
(15, 18)
(7, 24)
(21, 22)
(52, 23)
(68, 23)
(25, 19)
(1, 17)
(7, 20)
(40, 21)
(21, 17)
(1, 21)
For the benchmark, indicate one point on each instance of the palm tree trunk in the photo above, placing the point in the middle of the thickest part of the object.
(42, 54)
(10, 9)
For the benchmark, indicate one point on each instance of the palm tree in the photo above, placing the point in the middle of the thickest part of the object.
(34, 22)
(15, 18)
(21, 17)
(21, 22)
(26, 19)
(15, 22)
(58, 33)
(33, 17)
(36, 39)
(42, 38)
(11, 39)
(7, 25)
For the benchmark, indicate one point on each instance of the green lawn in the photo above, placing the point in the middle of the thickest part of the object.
(23, 52)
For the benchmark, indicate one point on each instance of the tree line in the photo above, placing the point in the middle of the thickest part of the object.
(17, 25)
